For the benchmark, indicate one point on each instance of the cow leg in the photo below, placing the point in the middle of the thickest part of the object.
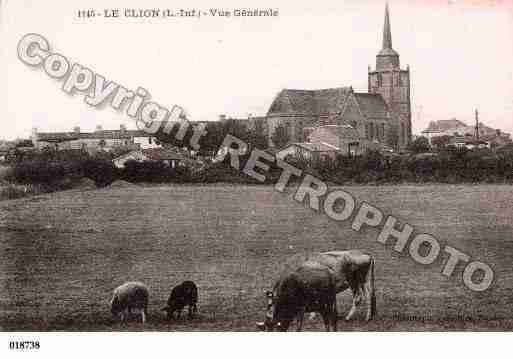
(143, 316)
(334, 316)
(124, 315)
(326, 318)
(178, 313)
(353, 309)
(190, 311)
(300, 319)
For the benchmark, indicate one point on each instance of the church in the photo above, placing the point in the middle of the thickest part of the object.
(380, 117)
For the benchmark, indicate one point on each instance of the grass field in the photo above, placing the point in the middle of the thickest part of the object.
(63, 253)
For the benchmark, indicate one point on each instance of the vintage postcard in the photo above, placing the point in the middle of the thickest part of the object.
(256, 166)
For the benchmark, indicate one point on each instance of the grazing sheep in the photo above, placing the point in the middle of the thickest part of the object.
(182, 295)
(131, 296)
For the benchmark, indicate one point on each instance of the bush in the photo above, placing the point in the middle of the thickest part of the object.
(43, 172)
(102, 172)
(156, 172)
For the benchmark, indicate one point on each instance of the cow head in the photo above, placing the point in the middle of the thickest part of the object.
(115, 306)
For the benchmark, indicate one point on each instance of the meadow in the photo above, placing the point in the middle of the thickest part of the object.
(63, 253)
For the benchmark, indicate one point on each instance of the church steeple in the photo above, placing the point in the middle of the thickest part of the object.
(393, 84)
(387, 57)
(387, 34)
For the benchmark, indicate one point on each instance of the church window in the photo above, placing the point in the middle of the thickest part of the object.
(380, 80)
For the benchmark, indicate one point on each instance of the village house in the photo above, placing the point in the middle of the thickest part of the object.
(311, 152)
(328, 141)
(100, 139)
(168, 157)
(463, 135)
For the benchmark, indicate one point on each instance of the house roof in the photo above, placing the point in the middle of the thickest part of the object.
(444, 125)
(313, 147)
(161, 154)
(103, 134)
(153, 154)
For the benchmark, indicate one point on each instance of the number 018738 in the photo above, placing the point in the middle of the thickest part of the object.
(24, 345)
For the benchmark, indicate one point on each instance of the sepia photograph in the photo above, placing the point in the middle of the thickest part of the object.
(258, 166)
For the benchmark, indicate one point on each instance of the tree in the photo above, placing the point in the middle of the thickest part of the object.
(420, 145)
(256, 136)
(280, 136)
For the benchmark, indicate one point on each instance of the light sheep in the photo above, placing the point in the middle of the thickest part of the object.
(131, 296)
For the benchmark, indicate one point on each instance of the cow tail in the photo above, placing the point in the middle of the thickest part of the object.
(370, 285)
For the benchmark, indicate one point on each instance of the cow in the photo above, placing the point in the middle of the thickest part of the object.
(185, 294)
(129, 297)
(310, 288)
(353, 269)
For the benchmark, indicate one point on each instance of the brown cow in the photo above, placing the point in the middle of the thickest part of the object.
(310, 288)
(351, 269)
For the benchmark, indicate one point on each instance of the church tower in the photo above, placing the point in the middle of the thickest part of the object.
(393, 83)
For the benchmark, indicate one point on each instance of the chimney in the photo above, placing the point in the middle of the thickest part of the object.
(122, 129)
(76, 130)
(99, 128)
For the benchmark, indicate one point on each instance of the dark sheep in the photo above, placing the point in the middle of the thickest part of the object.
(185, 294)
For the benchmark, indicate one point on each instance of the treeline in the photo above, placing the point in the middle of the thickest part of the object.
(448, 166)
(451, 165)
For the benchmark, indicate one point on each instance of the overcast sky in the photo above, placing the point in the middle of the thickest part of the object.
(460, 54)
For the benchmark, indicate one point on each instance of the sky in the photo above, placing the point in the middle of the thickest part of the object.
(460, 54)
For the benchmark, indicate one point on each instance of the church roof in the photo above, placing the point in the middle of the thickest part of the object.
(327, 101)
(372, 105)
(322, 101)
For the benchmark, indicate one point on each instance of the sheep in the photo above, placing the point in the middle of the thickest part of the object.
(185, 294)
(130, 296)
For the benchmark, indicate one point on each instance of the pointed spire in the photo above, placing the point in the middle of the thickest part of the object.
(387, 34)
(387, 57)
